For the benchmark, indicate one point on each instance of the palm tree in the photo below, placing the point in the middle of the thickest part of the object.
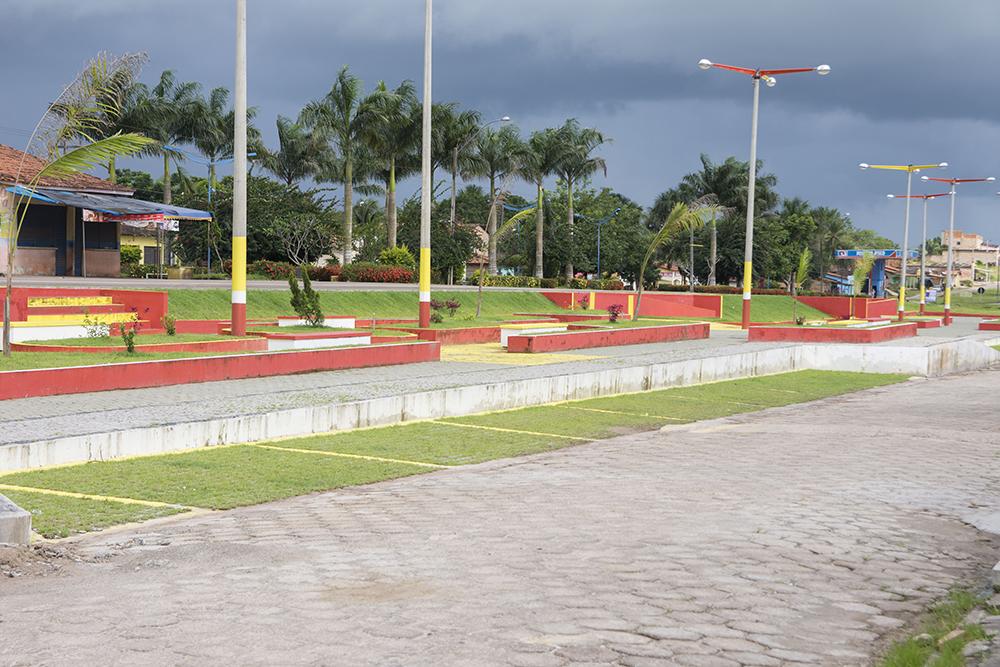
(301, 154)
(681, 220)
(84, 108)
(212, 129)
(537, 160)
(393, 138)
(576, 164)
(164, 113)
(454, 146)
(496, 152)
(345, 116)
(834, 229)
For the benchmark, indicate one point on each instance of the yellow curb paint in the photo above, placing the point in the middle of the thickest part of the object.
(619, 412)
(513, 430)
(349, 456)
(88, 496)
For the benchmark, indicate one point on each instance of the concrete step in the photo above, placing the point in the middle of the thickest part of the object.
(76, 310)
(75, 318)
(69, 301)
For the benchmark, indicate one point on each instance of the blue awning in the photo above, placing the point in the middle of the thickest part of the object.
(111, 204)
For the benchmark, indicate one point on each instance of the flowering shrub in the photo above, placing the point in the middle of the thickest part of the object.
(273, 270)
(398, 256)
(578, 283)
(615, 311)
(730, 289)
(505, 281)
(366, 272)
(606, 284)
(452, 306)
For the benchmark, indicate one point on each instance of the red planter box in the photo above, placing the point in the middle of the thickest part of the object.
(989, 325)
(653, 304)
(580, 316)
(149, 306)
(139, 374)
(832, 334)
(578, 340)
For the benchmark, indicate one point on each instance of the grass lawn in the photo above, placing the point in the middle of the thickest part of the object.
(767, 308)
(226, 477)
(150, 339)
(969, 303)
(61, 516)
(214, 304)
(19, 361)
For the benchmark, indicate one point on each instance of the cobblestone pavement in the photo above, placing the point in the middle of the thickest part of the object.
(805, 534)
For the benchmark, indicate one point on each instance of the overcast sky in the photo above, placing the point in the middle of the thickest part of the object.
(912, 82)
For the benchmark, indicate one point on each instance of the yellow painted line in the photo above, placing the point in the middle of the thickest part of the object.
(492, 353)
(619, 412)
(88, 496)
(35, 301)
(513, 430)
(349, 456)
(702, 399)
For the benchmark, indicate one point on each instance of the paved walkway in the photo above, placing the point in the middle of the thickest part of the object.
(798, 535)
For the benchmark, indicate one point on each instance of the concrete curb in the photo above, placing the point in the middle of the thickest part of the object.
(928, 361)
(15, 523)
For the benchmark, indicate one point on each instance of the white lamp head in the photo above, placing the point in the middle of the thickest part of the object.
(823, 70)
(943, 165)
(705, 63)
(891, 196)
(504, 119)
(770, 81)
(863, 165)
(990, 179)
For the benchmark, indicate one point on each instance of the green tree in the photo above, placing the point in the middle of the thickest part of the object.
(495, 157)
(345, 116)
(212, 129)
(393, 138)
(537, 160)
(577, 162)
(677, 224)
(301, 154)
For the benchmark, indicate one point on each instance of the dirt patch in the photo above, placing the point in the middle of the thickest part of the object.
(38, 560)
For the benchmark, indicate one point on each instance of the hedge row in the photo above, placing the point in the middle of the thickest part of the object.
(367, 272)
(729, 289)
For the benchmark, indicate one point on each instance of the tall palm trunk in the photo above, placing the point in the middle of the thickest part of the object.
(112, 173)
(539, 235)
(454, 204)
(569, 223)
(348, 207)
(390, 203)
(713, 253)
(167, 191)
(491, 227)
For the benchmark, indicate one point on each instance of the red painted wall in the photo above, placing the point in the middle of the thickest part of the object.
(236, 345)
(831, 334)
(134, 375)
(834, 306)
(578, 340)
(581, 316)
(875, 307)
(989, 325)
(149, 306)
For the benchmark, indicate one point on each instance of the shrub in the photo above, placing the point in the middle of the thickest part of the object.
(130, 254)
(452, 306)
(367, 272)
(615, 311)
(324, 274)
(729, 289)
(305, 301)
(138, 270)
(398, 256)
(506, 281)
(273, 270)
(436, 305)
(170, 324)
(128, 333)
(436, 317)
(606, 284)
(578, 283)
(549, 283)
(94, 327)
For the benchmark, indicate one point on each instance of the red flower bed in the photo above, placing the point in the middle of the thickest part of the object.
(365, 272)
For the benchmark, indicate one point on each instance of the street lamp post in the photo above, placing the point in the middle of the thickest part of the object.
(923, 244)
(425, 176)
(951, 235)
(910, 169)
(239, 277)
(601, 223)
(768, 76)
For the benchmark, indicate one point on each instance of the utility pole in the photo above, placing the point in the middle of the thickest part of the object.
(425, 177)
(239, 285)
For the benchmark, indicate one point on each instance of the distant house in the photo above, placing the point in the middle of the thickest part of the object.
(73, 225)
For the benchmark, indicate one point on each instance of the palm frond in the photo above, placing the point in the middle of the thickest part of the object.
(87, 157)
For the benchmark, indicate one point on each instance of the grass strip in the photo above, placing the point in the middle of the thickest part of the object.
(232, 476)
(942, 636)
(62, 516)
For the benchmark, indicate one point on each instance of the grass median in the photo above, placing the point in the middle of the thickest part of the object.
(233, 476)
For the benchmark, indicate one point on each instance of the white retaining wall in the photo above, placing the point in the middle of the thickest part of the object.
(947, 357)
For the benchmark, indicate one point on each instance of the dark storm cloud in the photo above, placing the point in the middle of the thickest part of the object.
(912, 81)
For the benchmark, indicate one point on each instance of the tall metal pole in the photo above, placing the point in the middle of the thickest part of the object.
(906, 245)
(425, 177)
(598, 251)
(951, 245)
(239, 286)
(751, 192)
(923, 262)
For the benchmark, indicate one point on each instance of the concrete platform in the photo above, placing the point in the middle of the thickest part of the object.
(15, 523)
